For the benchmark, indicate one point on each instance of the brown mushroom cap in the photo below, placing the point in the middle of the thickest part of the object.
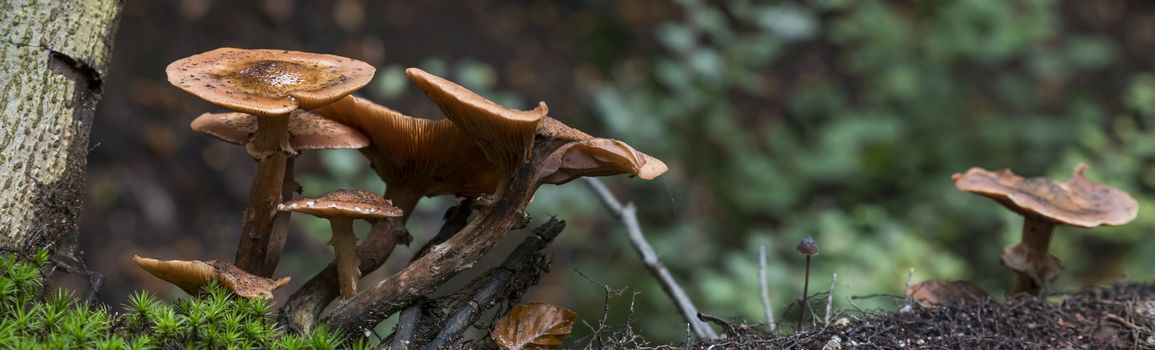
(268, 82)
(354, 204)
(505, 135)
(192, 275)
(1076, 202)
(427, 157)
(599, 157)
(586, 155)
(306, 130)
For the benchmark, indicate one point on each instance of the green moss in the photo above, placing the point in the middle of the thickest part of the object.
(31, 319)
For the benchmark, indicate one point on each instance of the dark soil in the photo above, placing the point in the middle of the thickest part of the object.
(1116, 317)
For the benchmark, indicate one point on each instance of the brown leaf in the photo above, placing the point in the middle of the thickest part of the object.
(534, 325)
(936, 293)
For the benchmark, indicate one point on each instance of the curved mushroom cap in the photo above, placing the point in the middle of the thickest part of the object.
(1076, 202)
(426, 157)
(354, 204)
(586, 155)
(192, 275)
(599, 157)
(505, 135)
(268, 82)
(306, 130)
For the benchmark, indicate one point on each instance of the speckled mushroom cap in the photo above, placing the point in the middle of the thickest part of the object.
(268, 82)
(306, 130)
(192, 275)
(1076, 202)
(505, 135)
(354, 204)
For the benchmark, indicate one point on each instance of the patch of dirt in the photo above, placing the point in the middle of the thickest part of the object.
(1121, 316)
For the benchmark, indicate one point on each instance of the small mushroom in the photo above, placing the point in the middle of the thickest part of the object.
(192, 275)
(1044, 203)
(269, 84)
(341, 207)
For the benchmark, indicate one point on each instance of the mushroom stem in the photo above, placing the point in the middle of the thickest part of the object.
(257, 222)
(280, 227)
(344, 244)
(1031, 259)
(403, 199)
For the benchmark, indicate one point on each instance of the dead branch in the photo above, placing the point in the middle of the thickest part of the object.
(301, 311)
(522, 269)
(627, 214)
(459, 253)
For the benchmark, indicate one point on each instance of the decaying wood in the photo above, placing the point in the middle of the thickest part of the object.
(304, 307)
(522, 269)
(55, 54)
(301, 311)
(443, 261)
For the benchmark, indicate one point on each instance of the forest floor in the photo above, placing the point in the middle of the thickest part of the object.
(1120, 316)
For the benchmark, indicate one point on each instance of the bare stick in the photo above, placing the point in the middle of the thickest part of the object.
(830, 299)
(766, 306)
(628, 215)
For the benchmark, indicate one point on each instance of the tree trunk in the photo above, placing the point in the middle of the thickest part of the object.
(53, 60)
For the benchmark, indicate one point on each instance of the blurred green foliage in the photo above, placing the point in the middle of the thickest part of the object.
(844, 120)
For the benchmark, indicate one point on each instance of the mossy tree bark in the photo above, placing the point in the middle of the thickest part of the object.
(53, 59)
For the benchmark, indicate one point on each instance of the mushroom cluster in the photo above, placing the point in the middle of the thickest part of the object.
(283, 102)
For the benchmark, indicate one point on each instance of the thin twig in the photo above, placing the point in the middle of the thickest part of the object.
(627, 214)
(766, 306)
(596, 333)
(830, 299)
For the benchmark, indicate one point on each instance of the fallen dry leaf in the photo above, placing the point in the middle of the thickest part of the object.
(935, 293)
(534, 325)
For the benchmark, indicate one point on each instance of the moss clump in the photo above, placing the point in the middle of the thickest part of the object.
(32, 319)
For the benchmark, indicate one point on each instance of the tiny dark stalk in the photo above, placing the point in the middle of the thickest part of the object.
(809, 247)
(805, 289)
(270, 149)
(344, 244)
